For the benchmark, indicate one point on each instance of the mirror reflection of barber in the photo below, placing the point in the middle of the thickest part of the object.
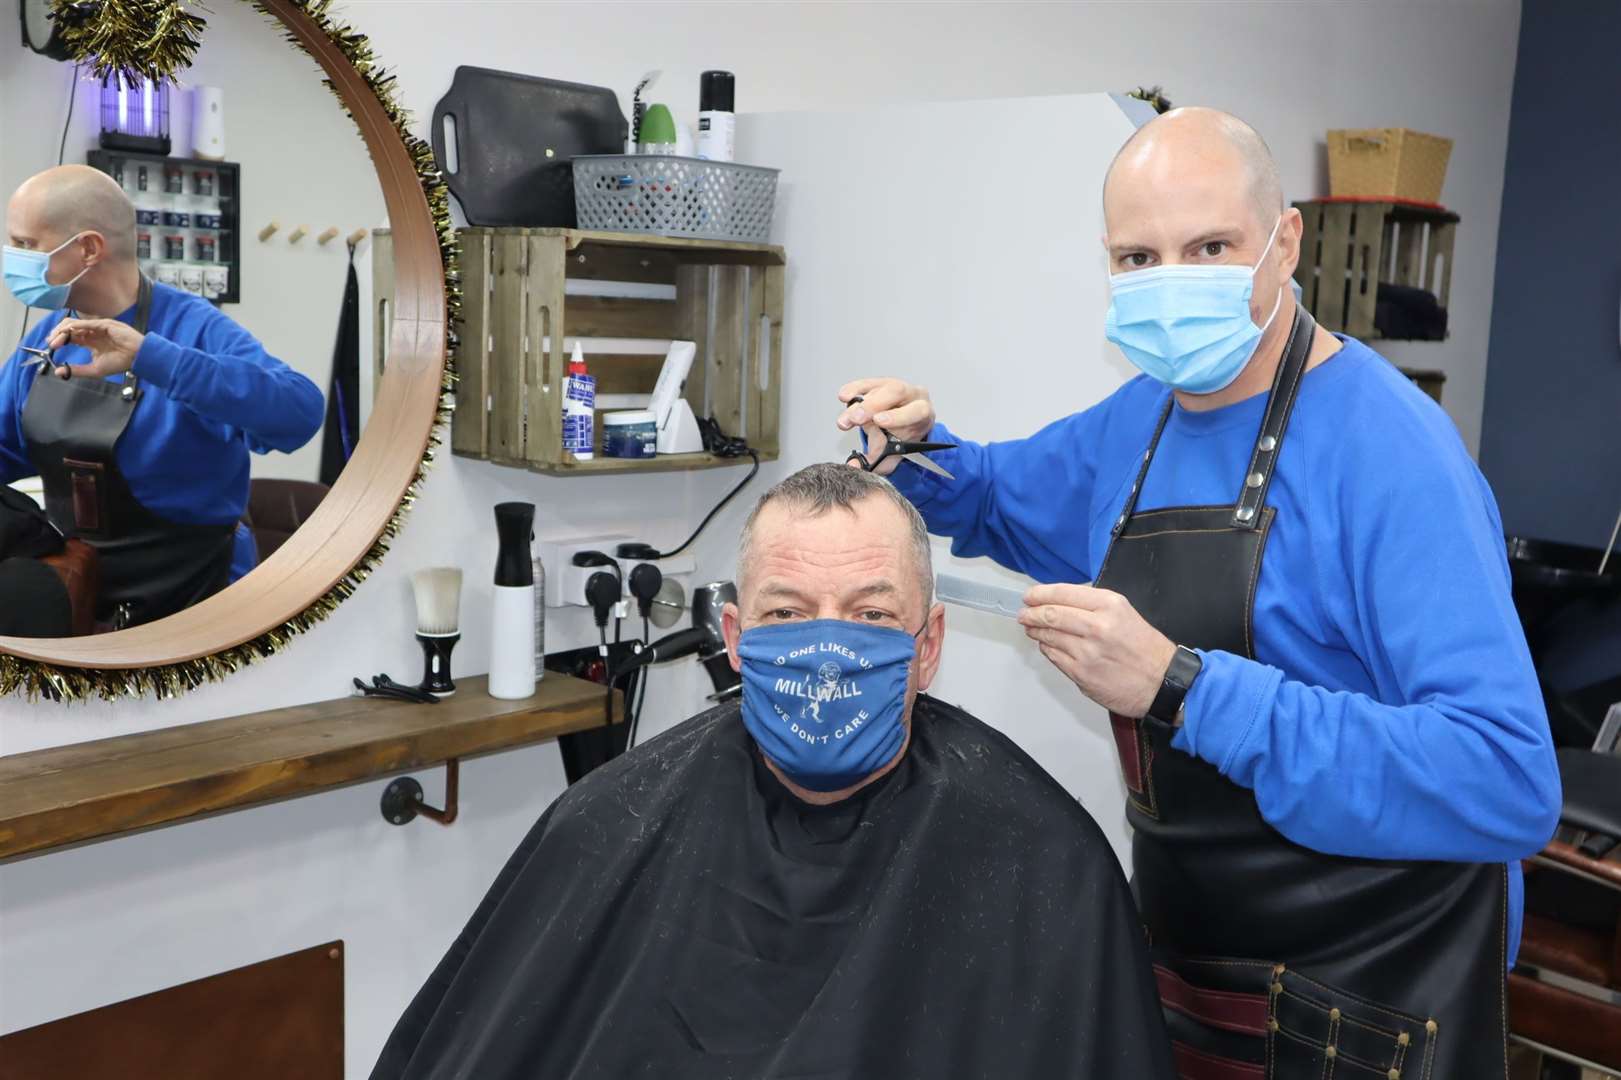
(141, 421)
(1298, 615)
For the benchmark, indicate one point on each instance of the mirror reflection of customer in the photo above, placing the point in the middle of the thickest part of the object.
(141, 423)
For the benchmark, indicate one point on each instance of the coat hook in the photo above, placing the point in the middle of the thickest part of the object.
(268, 231)
(327, 236)
(356, 237)
(297, 234)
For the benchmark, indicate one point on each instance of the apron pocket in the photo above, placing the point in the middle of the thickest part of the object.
(1316, 1030)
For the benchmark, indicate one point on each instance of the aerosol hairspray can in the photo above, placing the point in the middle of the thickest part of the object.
(717, 116)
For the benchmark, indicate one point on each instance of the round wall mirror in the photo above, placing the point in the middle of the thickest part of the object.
(286, 274)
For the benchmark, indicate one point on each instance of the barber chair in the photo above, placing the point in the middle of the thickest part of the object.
(1565, 991)
(276, 508)
(1563, 601)
(78, 566)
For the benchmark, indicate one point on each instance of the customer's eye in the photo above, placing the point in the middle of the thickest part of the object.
(874, 615)
(782, 613)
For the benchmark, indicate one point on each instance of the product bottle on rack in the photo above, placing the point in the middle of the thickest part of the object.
(717, 116)
(579, 408)
(540, 618)
(512, 616)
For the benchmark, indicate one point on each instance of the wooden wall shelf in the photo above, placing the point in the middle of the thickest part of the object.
(50, 798)
(517, 313)
(1349, 247)
(607, 466)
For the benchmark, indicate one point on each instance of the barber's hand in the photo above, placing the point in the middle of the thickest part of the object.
(1097, 639)
(905, 410)
(112, 346)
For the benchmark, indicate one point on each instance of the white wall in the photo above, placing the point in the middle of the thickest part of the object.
(86, 927)
(302, 164)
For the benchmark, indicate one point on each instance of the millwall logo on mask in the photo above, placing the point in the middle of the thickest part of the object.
(823, 703)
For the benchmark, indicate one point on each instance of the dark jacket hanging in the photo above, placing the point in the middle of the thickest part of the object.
(342, 428)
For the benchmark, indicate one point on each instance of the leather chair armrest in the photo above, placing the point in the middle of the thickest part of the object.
(1566, 857)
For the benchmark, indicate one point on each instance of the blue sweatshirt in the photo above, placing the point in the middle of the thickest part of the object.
(211, 394)
(1392, 710)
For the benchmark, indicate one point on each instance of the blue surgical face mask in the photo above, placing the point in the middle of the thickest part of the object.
(825, 699)
(1188, 326)
(25, 271)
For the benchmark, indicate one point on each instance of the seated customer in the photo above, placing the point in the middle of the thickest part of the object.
(840, 878)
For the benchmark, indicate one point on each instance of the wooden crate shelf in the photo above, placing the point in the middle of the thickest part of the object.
(1349, 248)
(516, 316)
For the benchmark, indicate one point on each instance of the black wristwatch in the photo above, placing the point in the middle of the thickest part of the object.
(1185, 667)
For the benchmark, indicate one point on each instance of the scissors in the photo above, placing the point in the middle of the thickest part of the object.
(36, 357)
(912, 451)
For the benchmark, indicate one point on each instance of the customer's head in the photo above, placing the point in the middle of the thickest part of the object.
(832, 542)
(83, 216)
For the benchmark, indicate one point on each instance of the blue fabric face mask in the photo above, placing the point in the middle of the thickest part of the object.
(824, 698)
(1188, 326)
(25, 271)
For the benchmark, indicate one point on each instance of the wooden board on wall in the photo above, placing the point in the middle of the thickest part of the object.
(276, 1020)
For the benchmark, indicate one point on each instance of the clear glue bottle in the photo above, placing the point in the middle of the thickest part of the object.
(579, 408)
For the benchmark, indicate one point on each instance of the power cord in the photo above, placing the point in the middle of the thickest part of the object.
(73, 96)
(720, 444)
(641, 691)
(636, 709)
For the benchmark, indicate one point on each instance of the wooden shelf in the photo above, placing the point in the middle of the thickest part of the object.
(1348, 248)
(50, 798)
(681, 249)
(517, 315)
(607, 466)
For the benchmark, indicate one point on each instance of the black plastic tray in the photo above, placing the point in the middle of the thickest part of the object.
(516, 136)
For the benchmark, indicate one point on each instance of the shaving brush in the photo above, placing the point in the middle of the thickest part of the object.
(439, 597)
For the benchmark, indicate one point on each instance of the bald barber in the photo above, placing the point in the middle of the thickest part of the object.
(1272, 560)
(142, 412)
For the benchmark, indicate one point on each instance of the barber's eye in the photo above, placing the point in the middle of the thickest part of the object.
(1136, 260)
(1215, 249)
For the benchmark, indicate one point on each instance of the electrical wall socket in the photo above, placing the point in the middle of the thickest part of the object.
(565, 582)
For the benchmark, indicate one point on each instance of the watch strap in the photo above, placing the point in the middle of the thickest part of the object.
(1184, 668)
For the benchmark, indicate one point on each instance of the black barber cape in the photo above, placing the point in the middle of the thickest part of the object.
(679, 914)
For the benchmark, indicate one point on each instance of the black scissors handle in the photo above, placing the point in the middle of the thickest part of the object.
(893, 447)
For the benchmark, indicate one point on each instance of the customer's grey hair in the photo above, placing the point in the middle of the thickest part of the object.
(816, 489)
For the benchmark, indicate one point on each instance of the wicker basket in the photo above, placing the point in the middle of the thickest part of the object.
(1387, 163)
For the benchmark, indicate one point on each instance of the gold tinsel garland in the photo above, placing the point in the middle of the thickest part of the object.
(36, 679)
(138, 39)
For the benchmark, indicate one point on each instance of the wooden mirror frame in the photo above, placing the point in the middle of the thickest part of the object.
(332, 552)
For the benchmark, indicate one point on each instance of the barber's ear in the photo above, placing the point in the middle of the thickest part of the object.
(731, 628)
(93, 247)
(929, 646)
(1289, 234)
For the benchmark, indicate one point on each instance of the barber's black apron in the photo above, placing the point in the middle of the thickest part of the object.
(1276, 962)
(150, 567)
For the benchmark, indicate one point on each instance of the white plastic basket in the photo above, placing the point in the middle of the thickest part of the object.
(675, 196)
